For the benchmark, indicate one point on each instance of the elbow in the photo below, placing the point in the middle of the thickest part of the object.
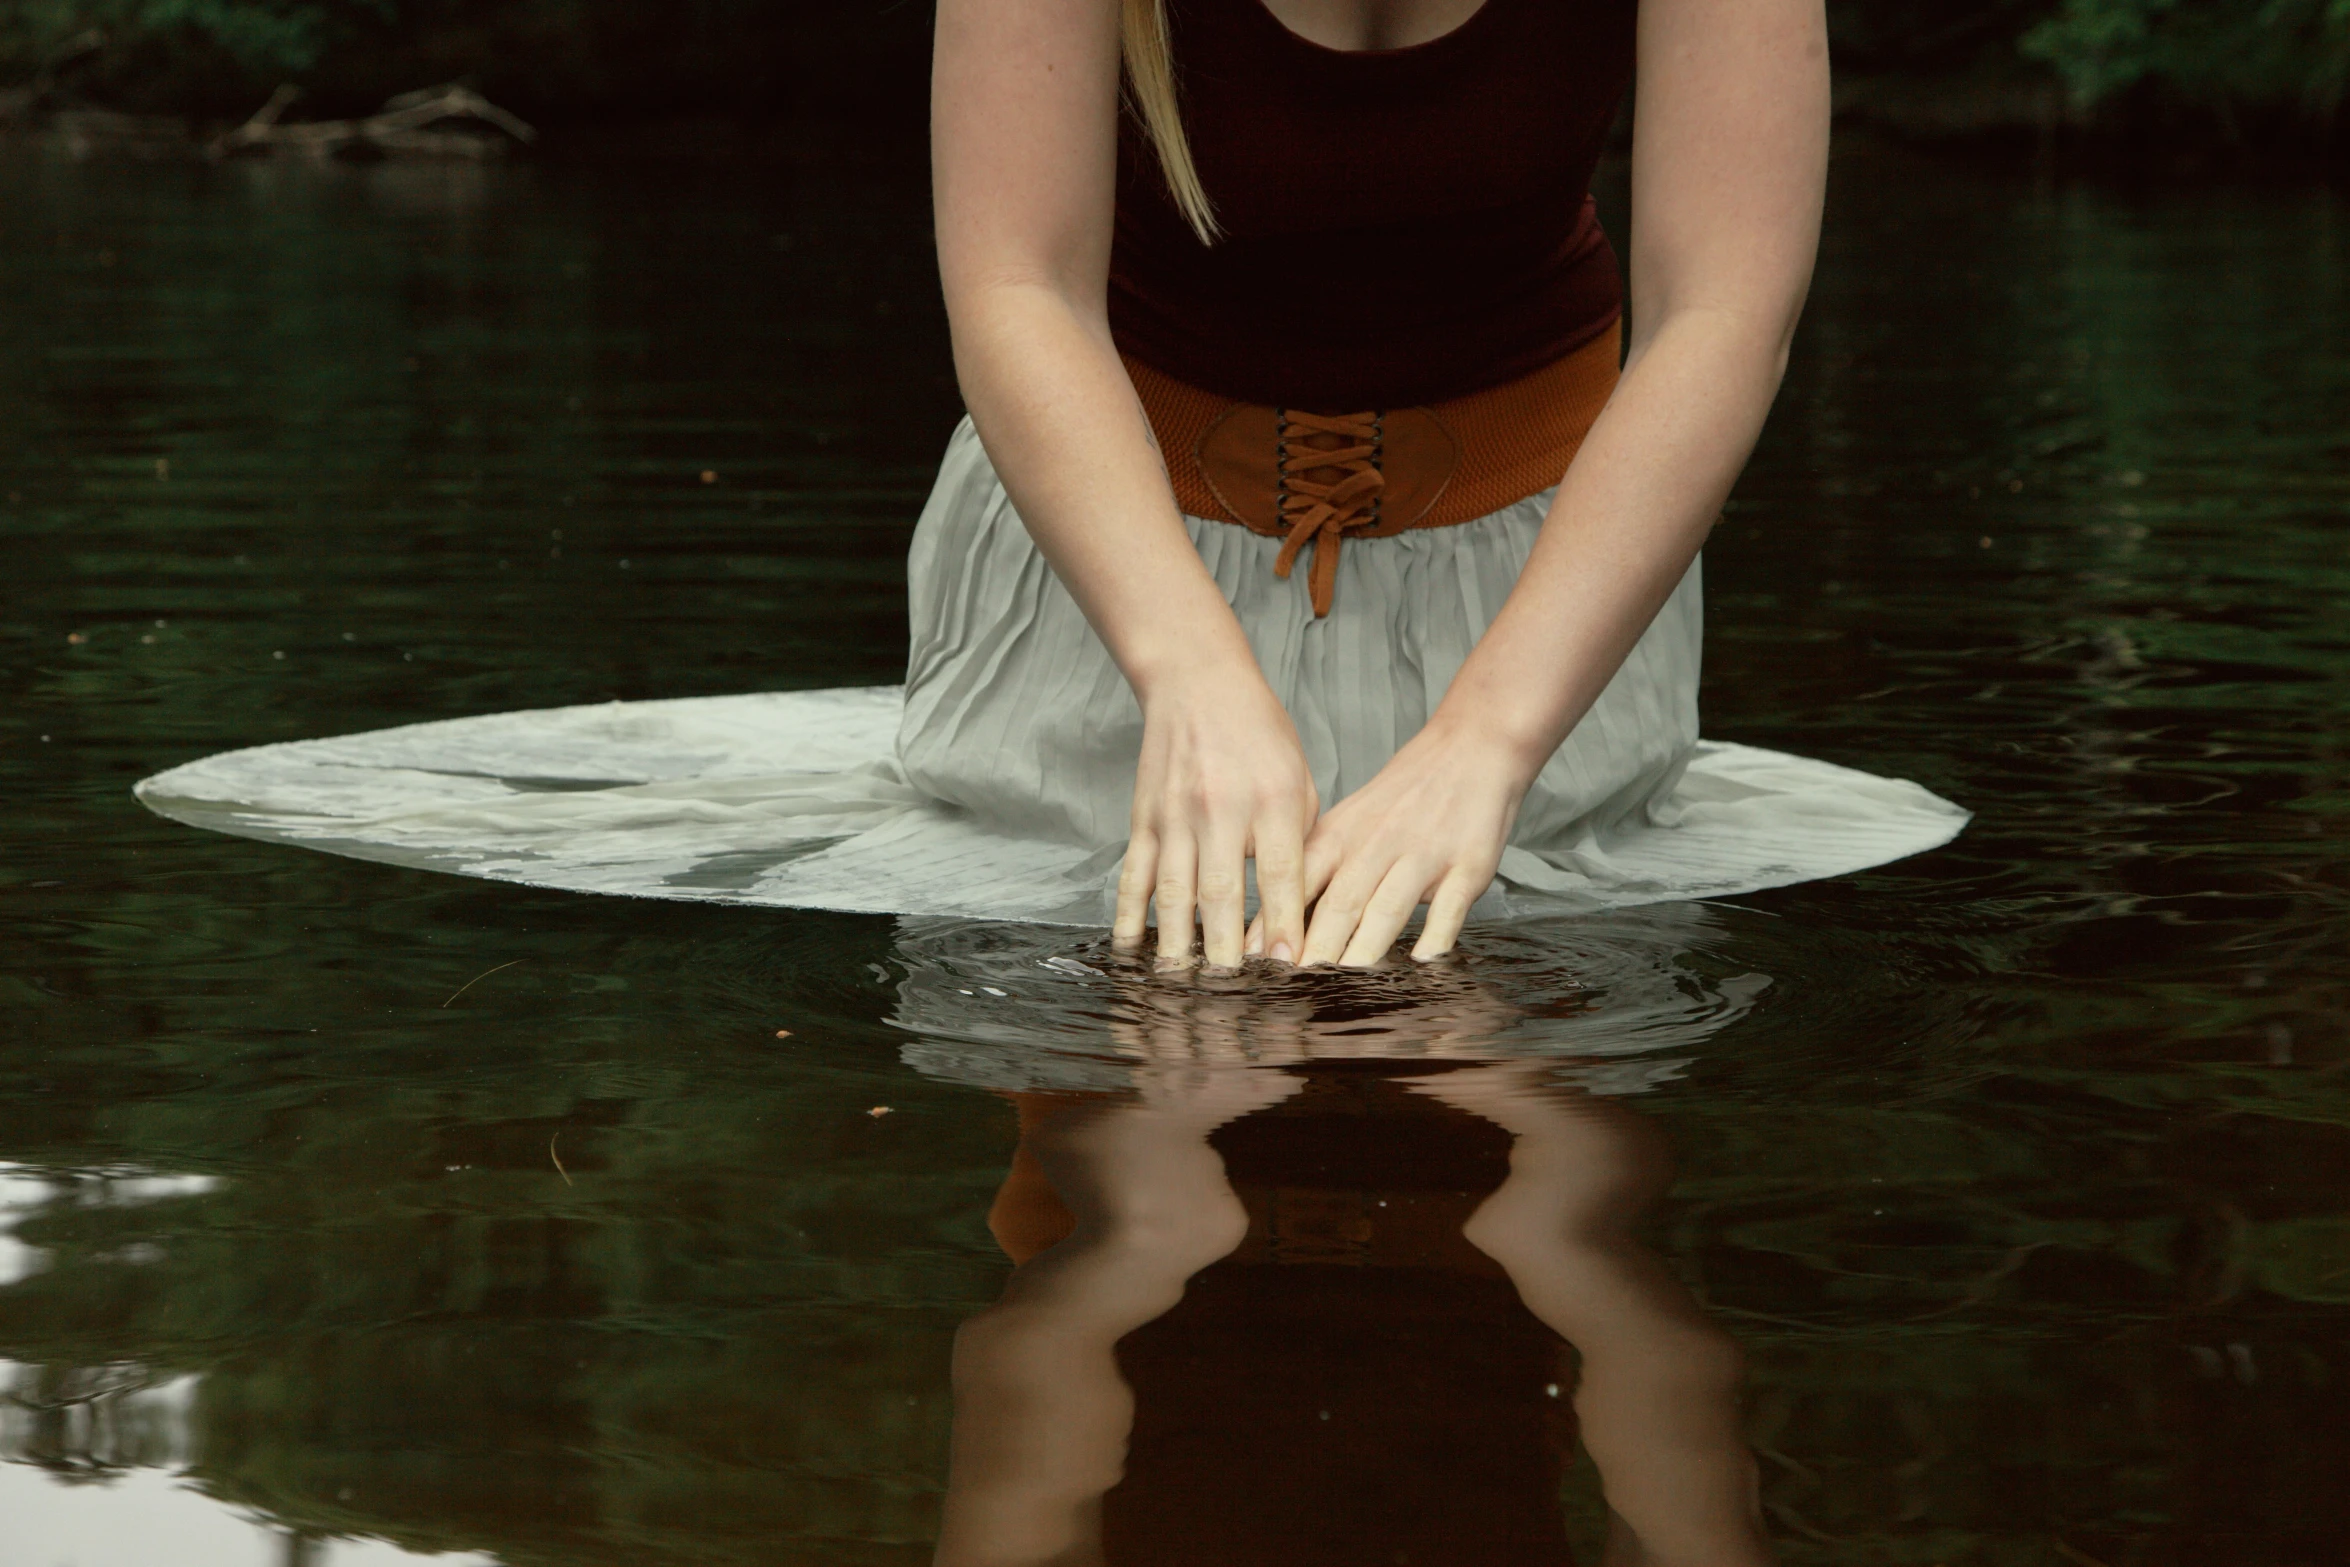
(1778, 312)
(1757, 331)
(1782, 353)
(977, 290)
(999, 316)
(1790, 317)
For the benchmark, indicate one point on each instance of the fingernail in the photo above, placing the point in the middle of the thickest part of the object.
(1282, 954)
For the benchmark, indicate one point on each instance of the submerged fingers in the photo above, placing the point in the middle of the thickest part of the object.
(1448, 909)
(1317, 903)
(1136, 879)
(1223, 896)
(1387, 912)
(1339, 910)
(1281, 892)
(1175, 891)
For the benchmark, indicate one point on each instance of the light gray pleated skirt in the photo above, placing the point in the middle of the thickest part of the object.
(998, 781)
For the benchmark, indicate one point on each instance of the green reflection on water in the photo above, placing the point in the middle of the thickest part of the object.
(2022, 1182)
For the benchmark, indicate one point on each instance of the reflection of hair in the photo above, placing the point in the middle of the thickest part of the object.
(1150, 74)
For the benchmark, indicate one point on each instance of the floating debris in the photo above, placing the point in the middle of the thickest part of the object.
(478, 978)
(878, 1111)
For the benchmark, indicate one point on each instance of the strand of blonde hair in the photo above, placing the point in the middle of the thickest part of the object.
(1150, 78)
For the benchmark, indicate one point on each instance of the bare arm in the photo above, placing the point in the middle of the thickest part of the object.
(1658, 1396)
(1024, 154)
(1729, 167)
(1041, 1413)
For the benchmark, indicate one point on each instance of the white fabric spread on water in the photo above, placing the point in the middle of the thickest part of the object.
(997, 782)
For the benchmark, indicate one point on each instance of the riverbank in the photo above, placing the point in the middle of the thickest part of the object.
(2016, 121)
(2016, 115)
(2000, 110)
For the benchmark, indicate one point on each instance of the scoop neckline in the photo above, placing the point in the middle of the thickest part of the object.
(1460, 30)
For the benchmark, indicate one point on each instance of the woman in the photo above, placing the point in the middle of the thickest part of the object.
(1302, 528)
(1331, 204)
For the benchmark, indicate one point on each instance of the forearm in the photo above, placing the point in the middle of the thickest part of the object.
(1657, 1400)
(1627, 520)
(1729, 173)
(1041, 1413)
(1062, 425)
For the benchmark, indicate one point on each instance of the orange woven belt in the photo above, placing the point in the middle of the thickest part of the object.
(1312, 479)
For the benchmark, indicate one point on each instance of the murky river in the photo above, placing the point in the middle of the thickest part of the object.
(1990, 1208)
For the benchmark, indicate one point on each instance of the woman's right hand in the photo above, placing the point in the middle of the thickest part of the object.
(1221, 780)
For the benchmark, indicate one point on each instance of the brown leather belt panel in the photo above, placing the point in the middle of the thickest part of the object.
(1319, 479)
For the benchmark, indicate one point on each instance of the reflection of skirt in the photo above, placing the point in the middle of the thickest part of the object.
(999, 782)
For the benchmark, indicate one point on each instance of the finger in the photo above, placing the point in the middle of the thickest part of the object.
(1220, 1028)
(1279, 1035)
(1254, 946)
(1340, 909)
(1385, 916)
(1447, 911)
(1325, 852)
(1135, 878)
(1169, 1034)
(1223, 897)
(1174, 891)
(1281, 888)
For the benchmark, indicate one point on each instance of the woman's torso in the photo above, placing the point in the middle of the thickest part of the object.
(1401, 226)
(1357, 1383)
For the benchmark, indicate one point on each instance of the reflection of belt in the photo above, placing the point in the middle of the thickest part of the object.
(1319, 479)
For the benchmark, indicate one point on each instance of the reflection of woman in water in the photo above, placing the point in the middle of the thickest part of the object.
(1350, 1379)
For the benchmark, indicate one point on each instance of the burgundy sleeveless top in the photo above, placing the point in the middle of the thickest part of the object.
(1401, 226)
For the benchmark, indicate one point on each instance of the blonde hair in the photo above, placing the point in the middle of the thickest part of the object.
(1150, 78)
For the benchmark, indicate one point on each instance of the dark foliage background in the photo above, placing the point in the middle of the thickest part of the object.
(559, 61)
(2241, 73)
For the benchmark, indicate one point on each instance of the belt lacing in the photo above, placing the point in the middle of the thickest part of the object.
(1329, 483)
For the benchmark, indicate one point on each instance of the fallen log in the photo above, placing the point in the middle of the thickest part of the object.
(413, 125)
(22, 104)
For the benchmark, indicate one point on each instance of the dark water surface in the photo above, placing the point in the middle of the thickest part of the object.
(348, 1211)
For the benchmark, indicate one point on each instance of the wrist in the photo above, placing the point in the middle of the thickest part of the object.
(1511, 744)
(1215, 663)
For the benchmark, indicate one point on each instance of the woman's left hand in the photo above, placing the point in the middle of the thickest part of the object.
(1430, 827)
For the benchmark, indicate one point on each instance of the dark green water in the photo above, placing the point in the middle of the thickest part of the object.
(2023, 1182)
